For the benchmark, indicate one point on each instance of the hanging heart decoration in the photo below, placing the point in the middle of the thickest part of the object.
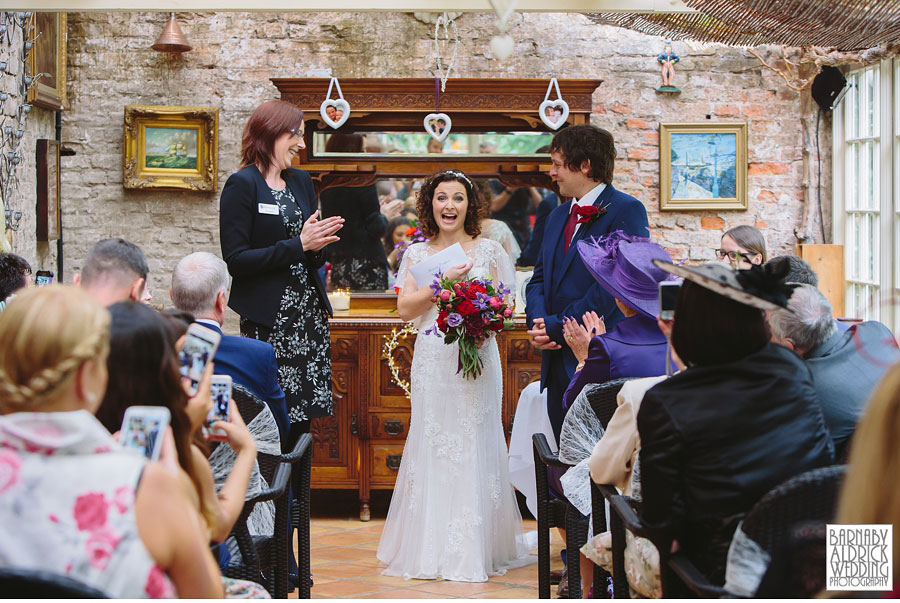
(502, 46)
(446, 35)
(334, 112)
(554, 113)
(504, 10)
(437, 130)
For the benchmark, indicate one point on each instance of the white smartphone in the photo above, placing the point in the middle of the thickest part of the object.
(143, 428)
(220, 389)
(199, 348)
(668, 294)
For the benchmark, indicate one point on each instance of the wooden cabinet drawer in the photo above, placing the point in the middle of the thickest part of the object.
(388, 425)
(386, 461)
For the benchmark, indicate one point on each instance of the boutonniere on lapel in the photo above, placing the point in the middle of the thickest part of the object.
(590, 214)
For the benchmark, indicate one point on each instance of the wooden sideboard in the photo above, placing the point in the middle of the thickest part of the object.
(361, 445)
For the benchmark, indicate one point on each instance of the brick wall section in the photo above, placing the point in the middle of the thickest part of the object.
(111, 65)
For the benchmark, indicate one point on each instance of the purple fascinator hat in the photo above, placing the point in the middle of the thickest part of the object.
(623, 265)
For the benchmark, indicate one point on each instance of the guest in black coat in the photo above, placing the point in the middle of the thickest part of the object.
(741, 418)
(272, 241)
(358, 260)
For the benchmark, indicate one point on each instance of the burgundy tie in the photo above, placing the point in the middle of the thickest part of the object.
(570, 225)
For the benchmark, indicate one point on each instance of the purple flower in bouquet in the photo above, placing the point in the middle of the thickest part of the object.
(454, 319)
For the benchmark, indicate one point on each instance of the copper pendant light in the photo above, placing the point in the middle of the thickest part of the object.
(171, 39)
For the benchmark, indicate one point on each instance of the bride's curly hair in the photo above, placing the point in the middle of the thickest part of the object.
(424, 208)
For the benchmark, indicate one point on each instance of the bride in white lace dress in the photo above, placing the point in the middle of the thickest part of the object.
(453, 514)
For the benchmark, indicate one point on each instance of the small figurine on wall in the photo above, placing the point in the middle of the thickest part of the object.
(667, 59)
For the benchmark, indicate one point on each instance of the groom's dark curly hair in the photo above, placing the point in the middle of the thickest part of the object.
(586, 142)
(425, 209)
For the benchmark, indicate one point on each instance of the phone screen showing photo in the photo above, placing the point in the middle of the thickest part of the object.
(42, 280)
(194, 356)
(221, 397)
(141, 432)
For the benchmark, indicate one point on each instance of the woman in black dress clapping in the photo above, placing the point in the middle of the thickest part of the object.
(272, 241)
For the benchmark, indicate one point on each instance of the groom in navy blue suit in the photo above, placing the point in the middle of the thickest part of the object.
(582, 157)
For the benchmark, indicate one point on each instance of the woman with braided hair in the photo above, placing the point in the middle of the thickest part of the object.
(71, 501)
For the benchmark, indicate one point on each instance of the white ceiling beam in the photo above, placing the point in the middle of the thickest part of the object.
(532, 6)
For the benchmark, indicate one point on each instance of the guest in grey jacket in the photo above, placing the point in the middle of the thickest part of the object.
(846, 365)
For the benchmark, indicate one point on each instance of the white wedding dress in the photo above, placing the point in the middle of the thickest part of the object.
(453, 514)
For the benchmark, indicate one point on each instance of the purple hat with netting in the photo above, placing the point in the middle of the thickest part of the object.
(623, 265)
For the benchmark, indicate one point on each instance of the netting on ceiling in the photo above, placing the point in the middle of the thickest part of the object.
(845, 25)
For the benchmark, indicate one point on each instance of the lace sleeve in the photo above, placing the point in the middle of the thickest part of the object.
(405, 282)
(503, 271)
(499, 231)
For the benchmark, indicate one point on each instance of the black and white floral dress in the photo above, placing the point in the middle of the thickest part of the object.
(300, 335)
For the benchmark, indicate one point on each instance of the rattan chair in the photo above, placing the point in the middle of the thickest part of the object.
(810, 496)
(558, 512)
(39, 584)
(264, 559)
(299, 508)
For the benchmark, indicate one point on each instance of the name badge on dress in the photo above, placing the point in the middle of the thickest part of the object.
(268, 208)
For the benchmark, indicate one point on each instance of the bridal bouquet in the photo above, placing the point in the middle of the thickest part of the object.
(470, 311)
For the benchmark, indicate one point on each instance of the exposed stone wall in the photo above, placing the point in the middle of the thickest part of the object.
(111, 65)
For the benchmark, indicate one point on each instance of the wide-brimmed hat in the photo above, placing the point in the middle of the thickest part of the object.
(624, 266)
(761, 287)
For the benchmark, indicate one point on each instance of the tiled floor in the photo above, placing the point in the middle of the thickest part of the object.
(344, 564)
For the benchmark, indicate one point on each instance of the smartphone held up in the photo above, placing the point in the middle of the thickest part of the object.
(199, 348)
(143, 428)
(668, 294)
(220, 390)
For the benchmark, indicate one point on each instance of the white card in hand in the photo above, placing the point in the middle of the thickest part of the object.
(425, 270)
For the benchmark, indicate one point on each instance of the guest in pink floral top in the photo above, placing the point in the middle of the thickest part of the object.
(71, 501)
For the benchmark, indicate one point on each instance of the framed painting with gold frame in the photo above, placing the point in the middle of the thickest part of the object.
(48, 59)
(703, 166)
(171, 148)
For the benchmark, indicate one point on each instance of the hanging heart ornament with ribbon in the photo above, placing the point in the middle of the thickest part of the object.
(554, 113)
(438, 125)
(335, 112)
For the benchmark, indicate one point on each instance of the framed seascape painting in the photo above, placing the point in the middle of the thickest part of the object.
(48, 59)
(703, 166)
(171, 148)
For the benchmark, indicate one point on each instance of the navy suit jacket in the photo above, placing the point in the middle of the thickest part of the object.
(251, 363)
(562, 286)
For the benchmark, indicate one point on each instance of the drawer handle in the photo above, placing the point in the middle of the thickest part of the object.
(393, 461)
(393, 427)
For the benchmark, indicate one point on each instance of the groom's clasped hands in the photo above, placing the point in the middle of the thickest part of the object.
(539, 337)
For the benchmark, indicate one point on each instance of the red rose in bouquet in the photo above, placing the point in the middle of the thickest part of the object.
(471, 310)
(466, 308)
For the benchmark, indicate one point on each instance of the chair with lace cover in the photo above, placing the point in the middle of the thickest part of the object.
(583, 426)
(259, 539)
(261, 424)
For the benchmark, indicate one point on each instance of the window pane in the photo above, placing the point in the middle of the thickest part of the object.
(871, 172)
(852, 176)
(870, 96)
(851, 111)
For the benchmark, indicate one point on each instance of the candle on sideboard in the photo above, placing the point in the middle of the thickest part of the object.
(340, 299)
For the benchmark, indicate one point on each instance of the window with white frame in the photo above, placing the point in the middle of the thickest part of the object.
(866, 208)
